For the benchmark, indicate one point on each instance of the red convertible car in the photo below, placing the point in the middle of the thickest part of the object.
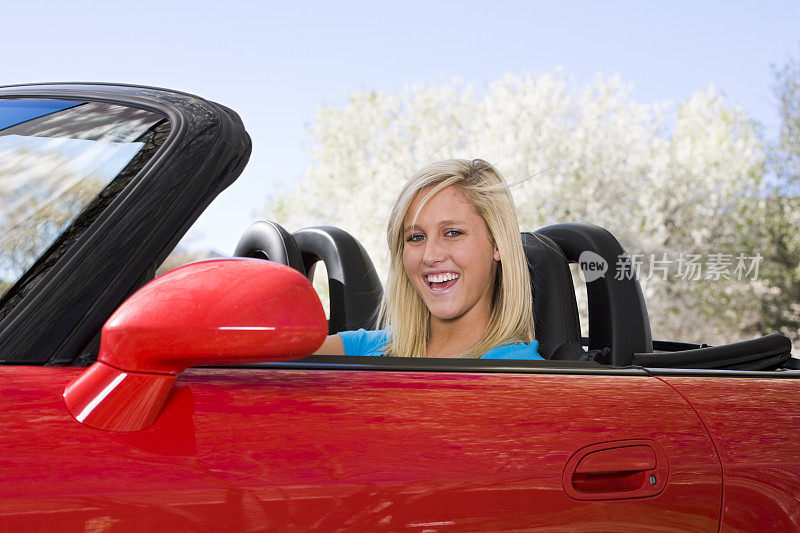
(189, 402)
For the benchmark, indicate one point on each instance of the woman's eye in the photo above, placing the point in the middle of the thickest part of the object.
(415, 237)
(453, 233)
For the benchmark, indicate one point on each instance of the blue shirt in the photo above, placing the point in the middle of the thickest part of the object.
(371, 343)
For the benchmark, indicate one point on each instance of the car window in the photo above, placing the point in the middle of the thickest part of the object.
(55, 159)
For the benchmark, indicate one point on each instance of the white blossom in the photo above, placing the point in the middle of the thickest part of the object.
(664, 179)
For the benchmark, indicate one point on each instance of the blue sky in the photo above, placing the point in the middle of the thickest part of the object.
(275, 63)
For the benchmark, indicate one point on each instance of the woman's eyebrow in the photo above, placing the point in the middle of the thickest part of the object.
(452, 222)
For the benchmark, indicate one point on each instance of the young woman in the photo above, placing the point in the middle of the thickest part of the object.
(458, 283)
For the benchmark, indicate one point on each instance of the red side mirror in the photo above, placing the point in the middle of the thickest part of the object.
(222, 311)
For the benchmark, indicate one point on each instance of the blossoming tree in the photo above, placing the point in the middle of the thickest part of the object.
(667, 180)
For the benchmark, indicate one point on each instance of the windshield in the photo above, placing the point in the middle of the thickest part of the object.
(56, 156)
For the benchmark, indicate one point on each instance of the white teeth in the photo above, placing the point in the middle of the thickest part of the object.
(440, 278)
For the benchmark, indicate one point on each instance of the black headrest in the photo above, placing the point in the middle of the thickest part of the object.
(353, 284)
(555, 310)
(618, 317)
(268, 240)
(354, 288)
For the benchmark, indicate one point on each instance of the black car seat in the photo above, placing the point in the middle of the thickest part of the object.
(353, 284)
(555, 310)
(268, 240)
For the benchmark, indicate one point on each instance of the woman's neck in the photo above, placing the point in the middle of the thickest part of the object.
(451, 338)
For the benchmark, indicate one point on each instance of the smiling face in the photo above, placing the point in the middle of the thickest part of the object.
(449, 256)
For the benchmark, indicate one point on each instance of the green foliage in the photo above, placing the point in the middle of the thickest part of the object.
(4, 286)
(780, 303)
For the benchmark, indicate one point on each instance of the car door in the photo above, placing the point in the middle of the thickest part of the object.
(388, 447)
(753, 419)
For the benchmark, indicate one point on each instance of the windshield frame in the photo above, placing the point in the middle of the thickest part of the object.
(205, 150)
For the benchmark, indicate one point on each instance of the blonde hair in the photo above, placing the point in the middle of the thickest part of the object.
(402, 309)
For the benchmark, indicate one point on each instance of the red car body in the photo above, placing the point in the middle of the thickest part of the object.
(254, 449)
(139, 442)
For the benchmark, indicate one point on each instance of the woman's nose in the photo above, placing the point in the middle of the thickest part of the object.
(434, 253)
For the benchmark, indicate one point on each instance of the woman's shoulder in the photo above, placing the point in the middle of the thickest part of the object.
(364, 342)
(514, 351)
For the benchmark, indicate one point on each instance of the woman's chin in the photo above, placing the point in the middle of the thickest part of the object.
(445, 314)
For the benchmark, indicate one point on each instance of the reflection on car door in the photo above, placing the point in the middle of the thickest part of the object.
(754, 425)
(250, 449)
